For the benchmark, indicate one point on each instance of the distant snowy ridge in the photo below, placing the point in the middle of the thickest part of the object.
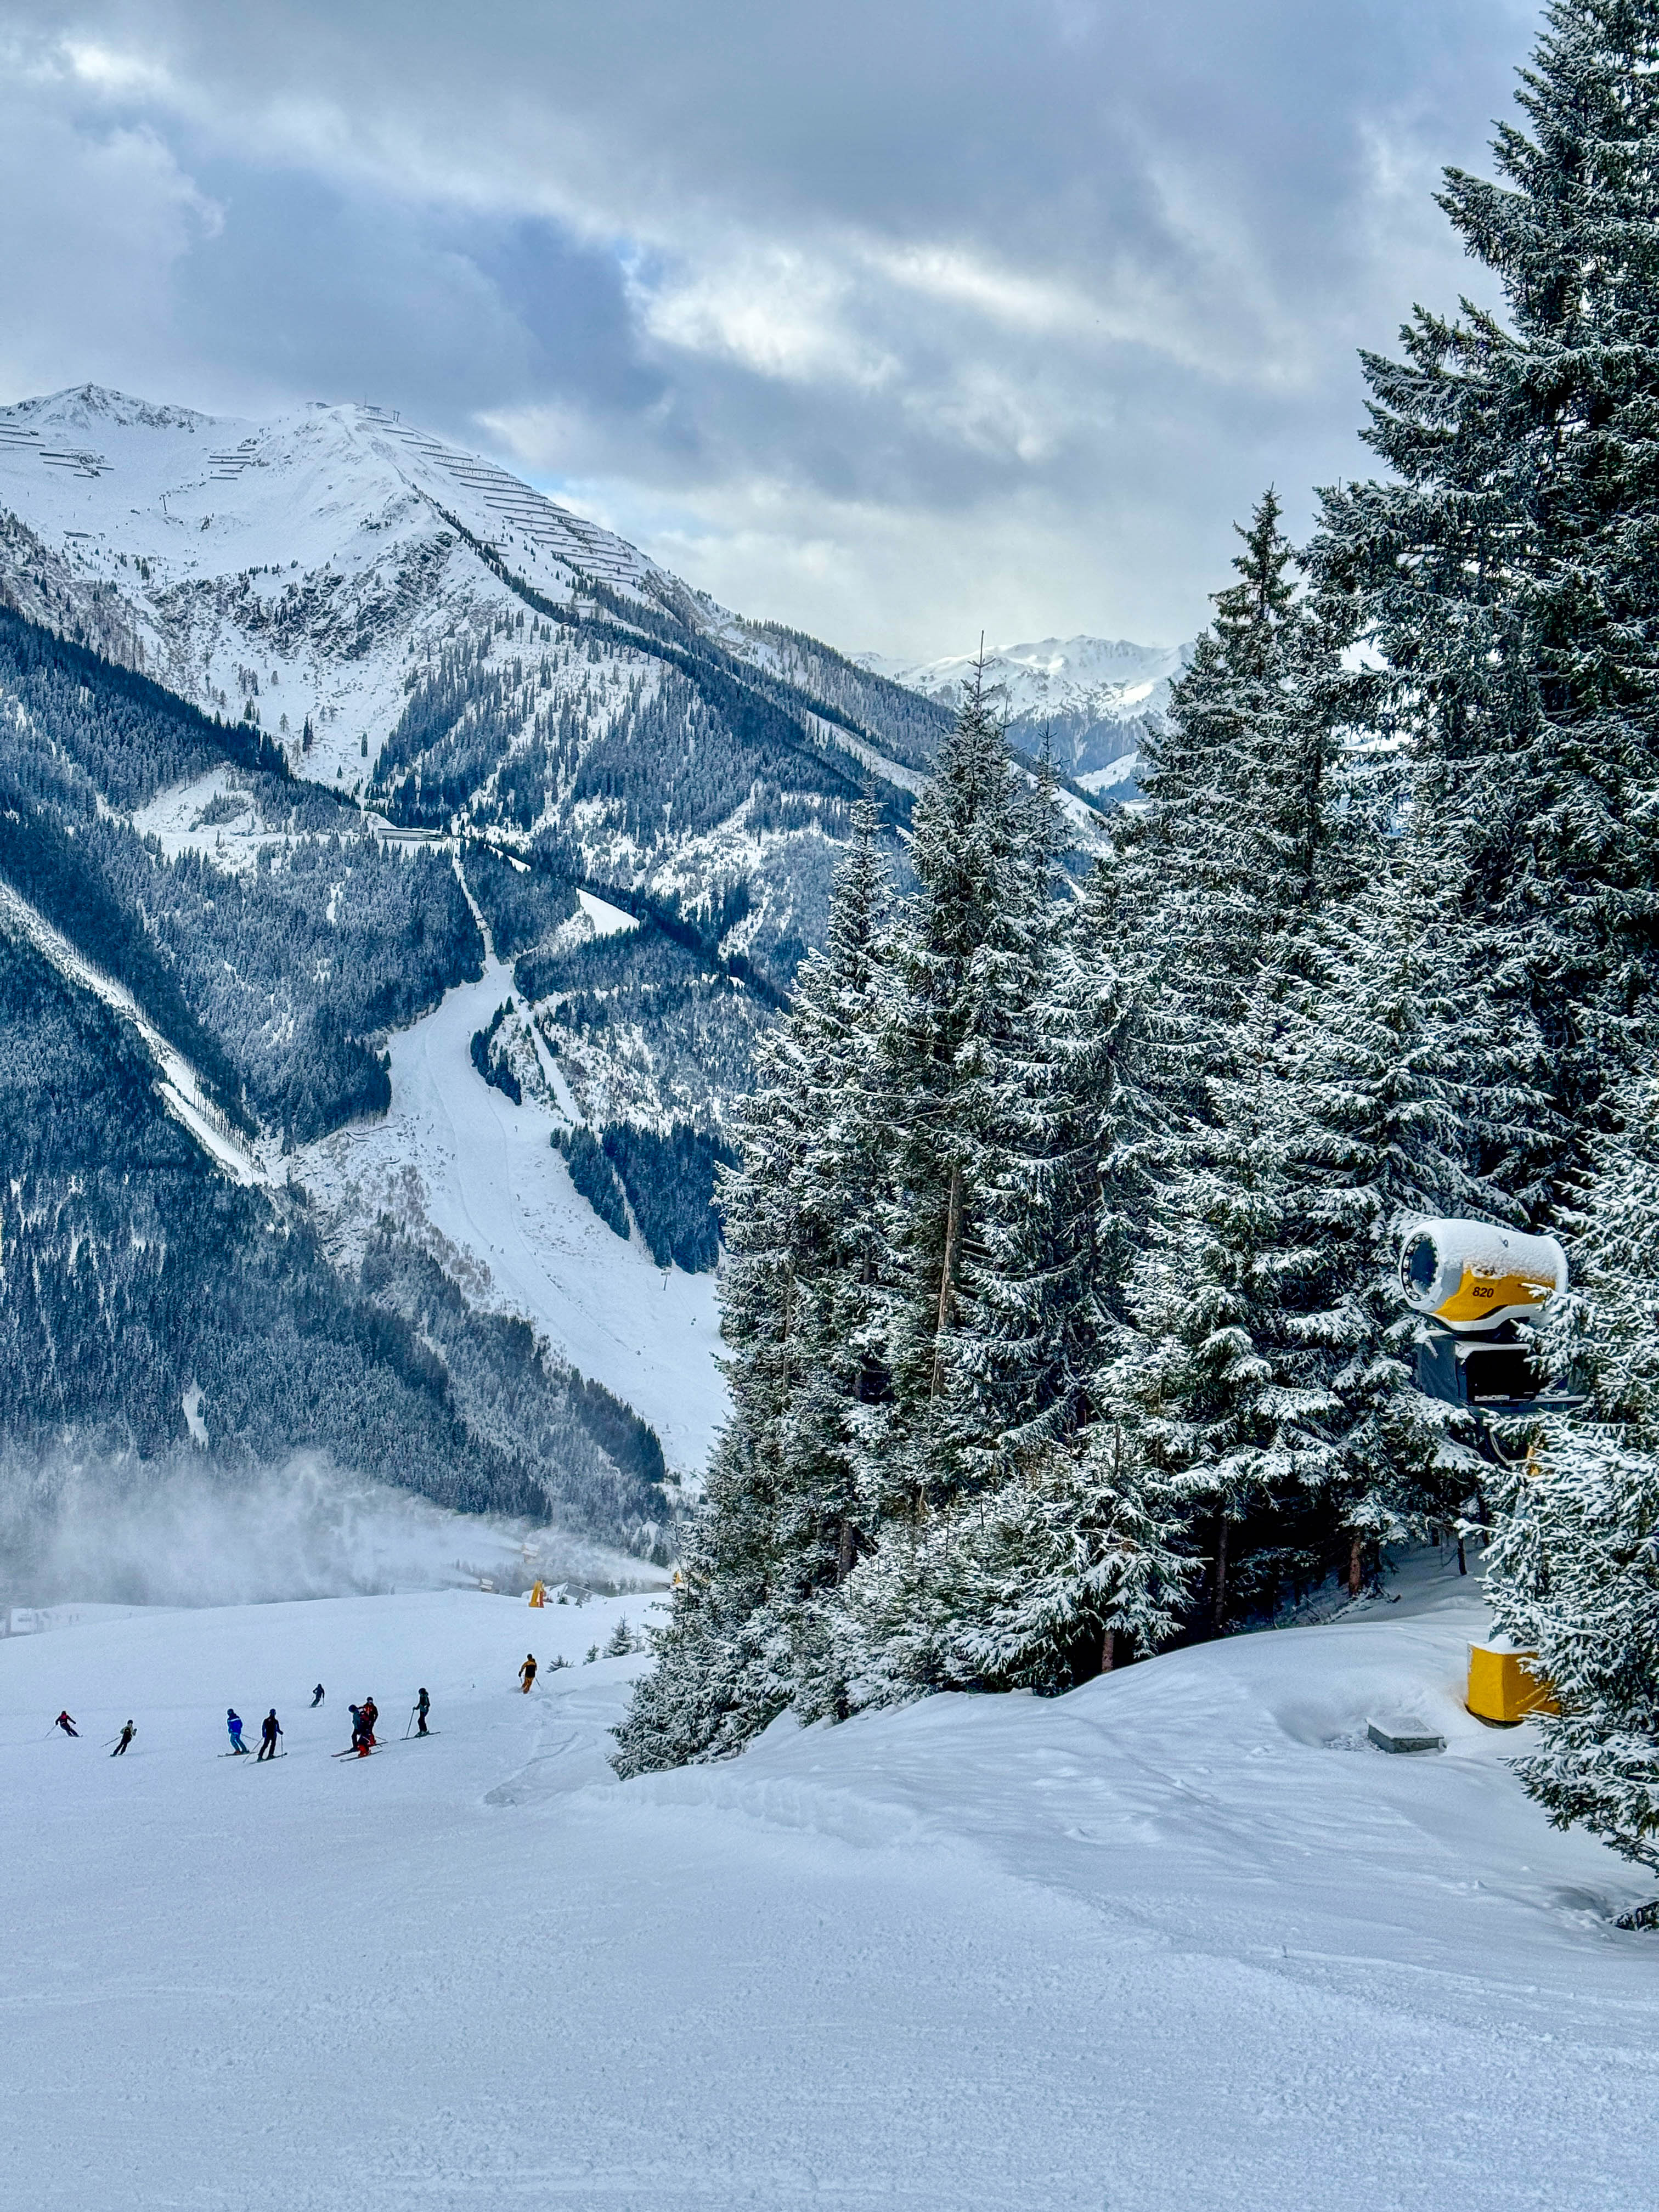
(1094, 696)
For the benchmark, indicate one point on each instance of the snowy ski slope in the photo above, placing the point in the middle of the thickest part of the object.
(1175, 1943)
(458, 1154)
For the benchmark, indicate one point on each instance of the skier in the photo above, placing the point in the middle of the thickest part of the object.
(358, 1731)
(68, 1726)
(371, 1714)
(269, 1729)
(527, 1673)
(234, 1723)
(124, 1740)
(422, 1707)
(316, 1697)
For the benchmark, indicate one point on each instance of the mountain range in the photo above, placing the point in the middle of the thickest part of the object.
(1090, 699)
(417, 861)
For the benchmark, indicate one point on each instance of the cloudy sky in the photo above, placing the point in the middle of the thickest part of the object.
(898, 320)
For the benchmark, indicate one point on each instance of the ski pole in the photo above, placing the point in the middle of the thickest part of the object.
(412, 1711)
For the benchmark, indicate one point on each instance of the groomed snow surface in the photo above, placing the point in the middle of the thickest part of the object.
(1176, 1940)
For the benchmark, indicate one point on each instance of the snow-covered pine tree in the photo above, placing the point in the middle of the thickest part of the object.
(1391, 1087)
(1060, 1569)
(1573, 1571)
(1259, 811)
(1236, 837)
(1508, 569)
(959, 1070)
(1052, 1558)
(778, 1528)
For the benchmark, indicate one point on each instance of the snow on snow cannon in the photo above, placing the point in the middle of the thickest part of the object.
(1469, 1276)
(1480, 1290)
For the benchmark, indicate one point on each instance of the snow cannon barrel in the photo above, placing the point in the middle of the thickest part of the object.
(1469, 1276)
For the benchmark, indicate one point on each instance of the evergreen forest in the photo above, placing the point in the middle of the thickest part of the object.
(1061, 1306)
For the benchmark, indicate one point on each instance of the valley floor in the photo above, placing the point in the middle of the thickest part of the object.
(1176, 1940)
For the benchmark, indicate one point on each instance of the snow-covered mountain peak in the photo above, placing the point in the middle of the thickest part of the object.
(1091, 695)
(320, 551)
(91, 407)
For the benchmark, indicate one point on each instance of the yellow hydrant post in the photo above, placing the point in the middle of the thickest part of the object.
(538, 1596)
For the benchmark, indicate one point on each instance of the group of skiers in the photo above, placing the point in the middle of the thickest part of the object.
(363, 1720)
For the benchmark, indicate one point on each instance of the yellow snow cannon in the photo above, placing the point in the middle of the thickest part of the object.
(1469, 1276)
(1505, 1685)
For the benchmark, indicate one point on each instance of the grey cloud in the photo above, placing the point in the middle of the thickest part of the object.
(826, 298)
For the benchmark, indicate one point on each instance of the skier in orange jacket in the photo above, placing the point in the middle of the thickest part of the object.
(527, 1673)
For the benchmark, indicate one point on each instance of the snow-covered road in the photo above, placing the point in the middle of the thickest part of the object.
(1172, 1944)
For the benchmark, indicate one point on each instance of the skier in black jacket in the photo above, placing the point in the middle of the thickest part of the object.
(269, 1729)
(422, 1707)
(316, 1697)
(65, 1723)
(124, 1740)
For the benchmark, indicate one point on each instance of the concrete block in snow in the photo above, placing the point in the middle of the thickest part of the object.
(1403, 1736)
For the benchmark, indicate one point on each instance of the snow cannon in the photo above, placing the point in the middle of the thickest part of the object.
(1469, 1276)
(1480, 1291)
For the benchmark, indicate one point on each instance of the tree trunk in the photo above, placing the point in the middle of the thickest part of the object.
(846, 1550)
(1356, 1564)
(947, 1278)
(1220, 1604)
(1108, 1651)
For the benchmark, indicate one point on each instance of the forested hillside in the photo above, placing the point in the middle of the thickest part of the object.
(131, 1272)
(274, 980)
(1064, 1305)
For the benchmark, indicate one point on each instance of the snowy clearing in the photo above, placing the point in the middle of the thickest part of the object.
(1176, 1940)
(608, 920)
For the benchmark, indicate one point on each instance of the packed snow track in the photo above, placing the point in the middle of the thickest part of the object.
(1174, 1943)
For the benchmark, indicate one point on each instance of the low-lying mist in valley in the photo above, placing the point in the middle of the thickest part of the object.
(188, 1531)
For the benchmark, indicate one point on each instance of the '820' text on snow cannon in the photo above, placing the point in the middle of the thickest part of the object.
(1481, 1292)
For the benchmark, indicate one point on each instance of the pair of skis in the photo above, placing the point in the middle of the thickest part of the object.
(351, 1751)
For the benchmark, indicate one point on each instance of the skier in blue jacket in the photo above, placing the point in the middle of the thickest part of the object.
(234, 1723)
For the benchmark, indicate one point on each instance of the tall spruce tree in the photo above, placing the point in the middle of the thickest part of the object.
(1508, 569)
(1053, 1558)
(963, 1107)
(1388, 1082)
(1236, 838)
(1573, 1571)
(779, 1525)
(1259, 811)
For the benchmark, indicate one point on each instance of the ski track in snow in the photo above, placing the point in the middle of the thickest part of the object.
(1166, 1943)
(493, 1186)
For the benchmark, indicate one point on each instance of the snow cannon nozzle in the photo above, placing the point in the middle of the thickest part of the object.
(1470, 1275)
